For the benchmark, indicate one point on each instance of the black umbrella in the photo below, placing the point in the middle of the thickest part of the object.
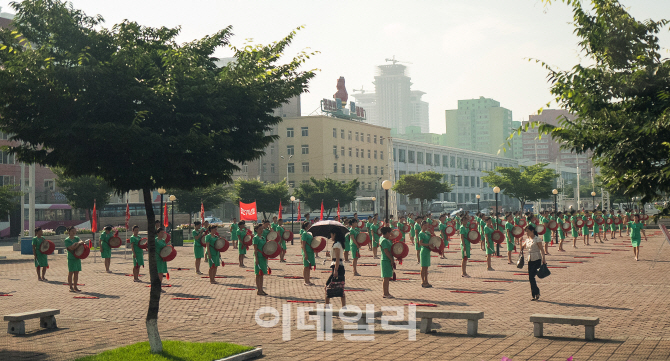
(325, 228)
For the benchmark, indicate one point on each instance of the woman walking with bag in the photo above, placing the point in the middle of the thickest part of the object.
(536, 258)
(335, 283)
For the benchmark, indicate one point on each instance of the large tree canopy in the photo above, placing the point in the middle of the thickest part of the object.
(189, 201)
(525, 183)
(266, 195)
(424, 186)
(82, 191)
(330, 191)
(621, 98)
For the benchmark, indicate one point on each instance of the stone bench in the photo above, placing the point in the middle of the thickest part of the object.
(427, 317)
(362, 322)
(17, 323)
(539, 320)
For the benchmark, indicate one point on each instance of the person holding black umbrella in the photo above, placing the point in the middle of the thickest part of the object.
(335, 283)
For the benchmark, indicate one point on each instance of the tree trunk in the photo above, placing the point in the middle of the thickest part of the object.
(264, 217)
(190, 217)
(155, 293)
(421, 207)
(523, 205)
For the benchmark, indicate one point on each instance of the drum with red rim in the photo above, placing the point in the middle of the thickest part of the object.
(473, 225)
(47, 247)
(617, 221)
(318, 244)
(400, 250)
(221, 245)
(168, 253)
(248, 239)
(566, 226)
(82, 251)
(450, 230)
(553, 225)
(579, 223)
(437, 243)
(517, 231)
(143, 243)
(497, 237)
(589, 222)
(273, 236)
(600, 220)
(541, 229)
(395, 235)
(363, 239)
(271, 249)
(474, 236)
(115, 242)
(608, 221)
(522, 223)
(379, 231)
(361, 224)
(406, 228)
(287, 235)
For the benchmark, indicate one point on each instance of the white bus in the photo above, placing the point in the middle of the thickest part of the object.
(442, 207)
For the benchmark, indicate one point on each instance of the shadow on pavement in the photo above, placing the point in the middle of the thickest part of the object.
(441, 303)
(99, 295)
(589, 306)
(597, 340)
(23, 355)
(184, 295)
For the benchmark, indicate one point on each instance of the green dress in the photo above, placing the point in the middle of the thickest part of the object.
(241, 248)
(411, 227)
(161, 265)
(635, 236)
(424, 237)
(233, 231)
(138, 260)
(585, 228)
(509, 238)
(386, 266)
(417, 231)
(488, 231)
(574, 230)
(41, 259)
(262, 266)
(214, 255)
(546, 237)
(73, 263)
(105, 249)
(198, 249)
(282, 242)
(465, 244)
(353, 233)
(308, 253)
(561, 234)
(375, 236)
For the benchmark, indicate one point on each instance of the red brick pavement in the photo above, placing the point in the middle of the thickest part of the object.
(631, 298)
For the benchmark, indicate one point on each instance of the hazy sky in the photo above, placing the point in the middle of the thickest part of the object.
(459, 49)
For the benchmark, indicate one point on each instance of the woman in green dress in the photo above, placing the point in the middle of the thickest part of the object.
(417, 230)
(410, 221)
(424, 238)
(574, 230)
(138, 254)
(308, 253)
(41, 261)
(353, 244)
(161, 265)
(241, 249)
(279, 228)
(105, 249)
(636, 227)
(73, 263)
(198, 250)
(465, 245)
(213, 256)
(561, 233)
(375, 237)
(386, 263)
(260, 262)
(509, 237)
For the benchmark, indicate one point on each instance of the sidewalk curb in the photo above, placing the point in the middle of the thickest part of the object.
(248, 355)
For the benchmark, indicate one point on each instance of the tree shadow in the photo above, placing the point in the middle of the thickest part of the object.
(23, 355)
(478, 291)
(596, 340)
(238, 285)
(99, 295)
(184, 295)
(37, 332)
(16, 261)
(441, 303)
(463, 335)
(587, 306)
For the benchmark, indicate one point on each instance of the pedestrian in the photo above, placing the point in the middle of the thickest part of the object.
(465, 245)
(417, 230)
(635, 228)
(260, 262)
(138, 253)
(307, 253)
(536, 258)
(73, 263)
(387, 261)
(335, 283)
(233, 233)
(424, 242)
(213, 255)
(487, 232)
(242, 249)
(354, 246)
(279, 228)
(41, 261)
(105, 249)
(198, 250)
(161, 265)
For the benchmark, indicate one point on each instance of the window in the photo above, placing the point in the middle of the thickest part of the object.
(381, 140)
(291, 168)
(410, 156)
(335, 150)
(375, 154)
(4, 136)
(381, 155)
(305, 167)
(429, 159)
(350, 169)
(350, 135)
(350, 152)
(304, 131)
(291, 184)
(467, 197)
(356, 152)
(478, 182)
(375, 170)
(272, 149)
(6, 180)
(272, 167)
(467, 181)
(289, 132)
(460, 181)
(394, 157)
(452, 161)
(445, 160)
(368, 138)
(401, 156)
(334, 167)
(459, 163)
(289, 150)
(245, 168)
(369, 186)
(358, 169)
(382, 168)
(375, 138)
(305, 149)
(370, 170)
(369, 154)
(356, 135)
(343, 170)
(466, 163)
(49, 184)
(6, 158)
(472, 180)
(334, 132)
(342, 151)
(419, 157)
(342, 133)
(453, 179)
(264, 168)
(472, 164)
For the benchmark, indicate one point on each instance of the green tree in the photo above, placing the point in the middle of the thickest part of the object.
(132, 105)
(525, 183)
(621, 95)
(266, 195)
(9, 200)
(82, 191)
(189, 201)
(424, 186)
(327, 190)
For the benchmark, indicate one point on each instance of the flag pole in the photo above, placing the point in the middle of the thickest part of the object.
(95, 258)
(125, 250)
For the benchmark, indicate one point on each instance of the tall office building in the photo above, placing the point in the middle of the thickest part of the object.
(517, 142)
(419, 111)
(480, 124)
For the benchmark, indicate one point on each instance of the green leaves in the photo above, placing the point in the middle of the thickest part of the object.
(81, 191)
(266, 196)
(425, 185)
(188, 201)
(9, 199)
(525, 183)
(327, 190)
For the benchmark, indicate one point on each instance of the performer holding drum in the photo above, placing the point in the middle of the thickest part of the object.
(138, 254)
(307, 252)
(490, 250)
(214, 256)
(260, 262)
(509, 238)
(242, 249)
(387, 262)
(161, 264)
(279, 228)
(105, 249)
(417, 229)
(353, 244)
(465, 245)
(41, 261)
(575, 229)
(233, 233)
(72, 243)
(375, 236)
(423, 241)
(410, 221)
(198, 249)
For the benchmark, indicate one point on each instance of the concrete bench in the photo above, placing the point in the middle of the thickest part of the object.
(60, 250)
(17, 323)
(539, 320)
(362, 322)
(427, 317)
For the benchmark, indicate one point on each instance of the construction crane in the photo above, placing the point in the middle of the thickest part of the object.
(360, 90)
(396, 61)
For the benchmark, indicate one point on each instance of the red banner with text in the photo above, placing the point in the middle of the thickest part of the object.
(248, 212)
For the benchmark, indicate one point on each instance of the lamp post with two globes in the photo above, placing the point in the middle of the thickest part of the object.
(496, 190)
(555, 193)
(386, 185)
(161, 191)
(172, 199)
(478, 196)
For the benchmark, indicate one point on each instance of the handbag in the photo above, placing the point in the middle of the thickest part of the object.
(520, 262)
(543, 271)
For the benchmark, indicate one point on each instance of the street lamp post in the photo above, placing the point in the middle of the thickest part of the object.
(161, 191)
(593, 196)
(386, 185)
(496, 190)
(172, 199)
(478, 196)
(555, 192)
(292, 220)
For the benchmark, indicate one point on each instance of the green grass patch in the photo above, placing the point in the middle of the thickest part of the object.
(172, 351)
(188, 241)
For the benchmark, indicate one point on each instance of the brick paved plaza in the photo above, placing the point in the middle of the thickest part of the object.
(632, 300)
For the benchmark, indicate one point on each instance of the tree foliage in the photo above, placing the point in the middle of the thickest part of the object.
(9, 199)
(525, 183)
(82, 191)
(622, 99)
(135, 107)
(188, 201)
(327, 190)
(424, 186)
(266, 195)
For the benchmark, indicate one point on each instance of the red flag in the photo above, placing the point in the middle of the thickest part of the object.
(202, 213)
(248, 212)
(298, 211)
(279, 215)
(321, 219)
(338, 210)
(94, 219)
(127, 214)
(165, 216)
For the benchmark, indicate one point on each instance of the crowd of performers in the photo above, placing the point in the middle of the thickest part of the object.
(387, 241)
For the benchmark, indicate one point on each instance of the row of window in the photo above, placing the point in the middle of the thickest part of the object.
(359, 136)
(290, 133)
(305, 167)
(6, 158)
(410, 156)
(359, 169)
(360, 153)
